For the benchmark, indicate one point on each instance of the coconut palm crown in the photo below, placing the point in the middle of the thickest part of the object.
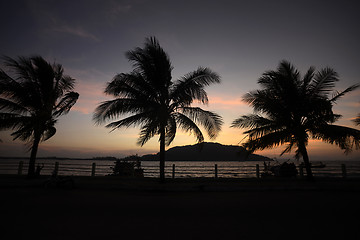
(33, 94)
(155, 103)
(290, 109)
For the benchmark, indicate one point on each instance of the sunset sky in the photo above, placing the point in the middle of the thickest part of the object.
(237, 39)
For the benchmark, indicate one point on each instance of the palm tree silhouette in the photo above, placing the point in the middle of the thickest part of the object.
(156, 103)
(32, 97)
(295, 109)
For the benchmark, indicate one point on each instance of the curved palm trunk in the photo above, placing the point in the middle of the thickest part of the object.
(162, 154)
(305, 156)
(34, 149)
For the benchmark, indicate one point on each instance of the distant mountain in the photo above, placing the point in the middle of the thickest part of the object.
(207, 151)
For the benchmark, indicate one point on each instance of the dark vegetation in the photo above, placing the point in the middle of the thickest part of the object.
(156, 103)
(129, 167)
(291, 109)
(33, 94)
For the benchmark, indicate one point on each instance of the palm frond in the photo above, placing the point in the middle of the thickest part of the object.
(263, 101)
(289, 147)
(308, 77)
(22, 68)
(170, 130)
(115, 108)
(258, 125)
(338, 95)
(285, 78)
(65, 84)
(324, 81)
(12, 121)
(14, 90)
(270, 140)
(267, 79)
(148, 130)
(189, 126)
(191, 86)
(153, 63)
(344, 137)
(288, 70)
(44, 75)
(48, 133)
(211, 121)
(65, 103)
(251, 121)
(25, 131)
(143, 118)
(9, 106)
(130, 85)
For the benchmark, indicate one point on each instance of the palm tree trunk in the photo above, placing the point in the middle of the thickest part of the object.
(162, 154)
(34, 149)
(305, 156)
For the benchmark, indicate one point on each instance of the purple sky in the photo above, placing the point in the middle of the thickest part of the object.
(237, 39)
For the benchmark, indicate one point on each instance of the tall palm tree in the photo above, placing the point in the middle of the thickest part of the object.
(290, 109)
(156, 103)
(32, 96)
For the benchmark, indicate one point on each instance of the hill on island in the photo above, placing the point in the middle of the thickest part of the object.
(207, 152)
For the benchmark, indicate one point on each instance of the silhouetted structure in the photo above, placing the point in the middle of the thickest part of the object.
(157, 104)
(38, 169)
(128, 166)
(32, 99)
(291, 110)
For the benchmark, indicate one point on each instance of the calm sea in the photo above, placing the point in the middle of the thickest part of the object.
(182, 169)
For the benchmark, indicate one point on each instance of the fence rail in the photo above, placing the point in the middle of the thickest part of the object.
(174, 171)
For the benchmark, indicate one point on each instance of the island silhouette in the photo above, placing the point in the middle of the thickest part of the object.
(207, 151)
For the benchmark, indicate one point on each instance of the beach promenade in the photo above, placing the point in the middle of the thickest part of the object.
(113, 208)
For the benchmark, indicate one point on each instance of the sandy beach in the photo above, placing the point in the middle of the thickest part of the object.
(113, 208)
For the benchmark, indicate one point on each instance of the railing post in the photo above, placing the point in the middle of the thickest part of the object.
(216, 171)
(301, 171)
(257, 171)
(56, 169)
(20, 168)
(93, 167)
(173, 171)
(343, 170)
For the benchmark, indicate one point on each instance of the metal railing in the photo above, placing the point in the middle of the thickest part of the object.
(174, 171)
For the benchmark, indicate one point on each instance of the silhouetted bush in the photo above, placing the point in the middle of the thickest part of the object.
(128, 166)
(287, 170)
(280, 170)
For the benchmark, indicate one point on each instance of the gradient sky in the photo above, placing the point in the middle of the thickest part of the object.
(237, 39)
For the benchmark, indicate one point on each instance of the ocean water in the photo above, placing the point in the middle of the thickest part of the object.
(183, 169)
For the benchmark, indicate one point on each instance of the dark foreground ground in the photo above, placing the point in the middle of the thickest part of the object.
(112, 208)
